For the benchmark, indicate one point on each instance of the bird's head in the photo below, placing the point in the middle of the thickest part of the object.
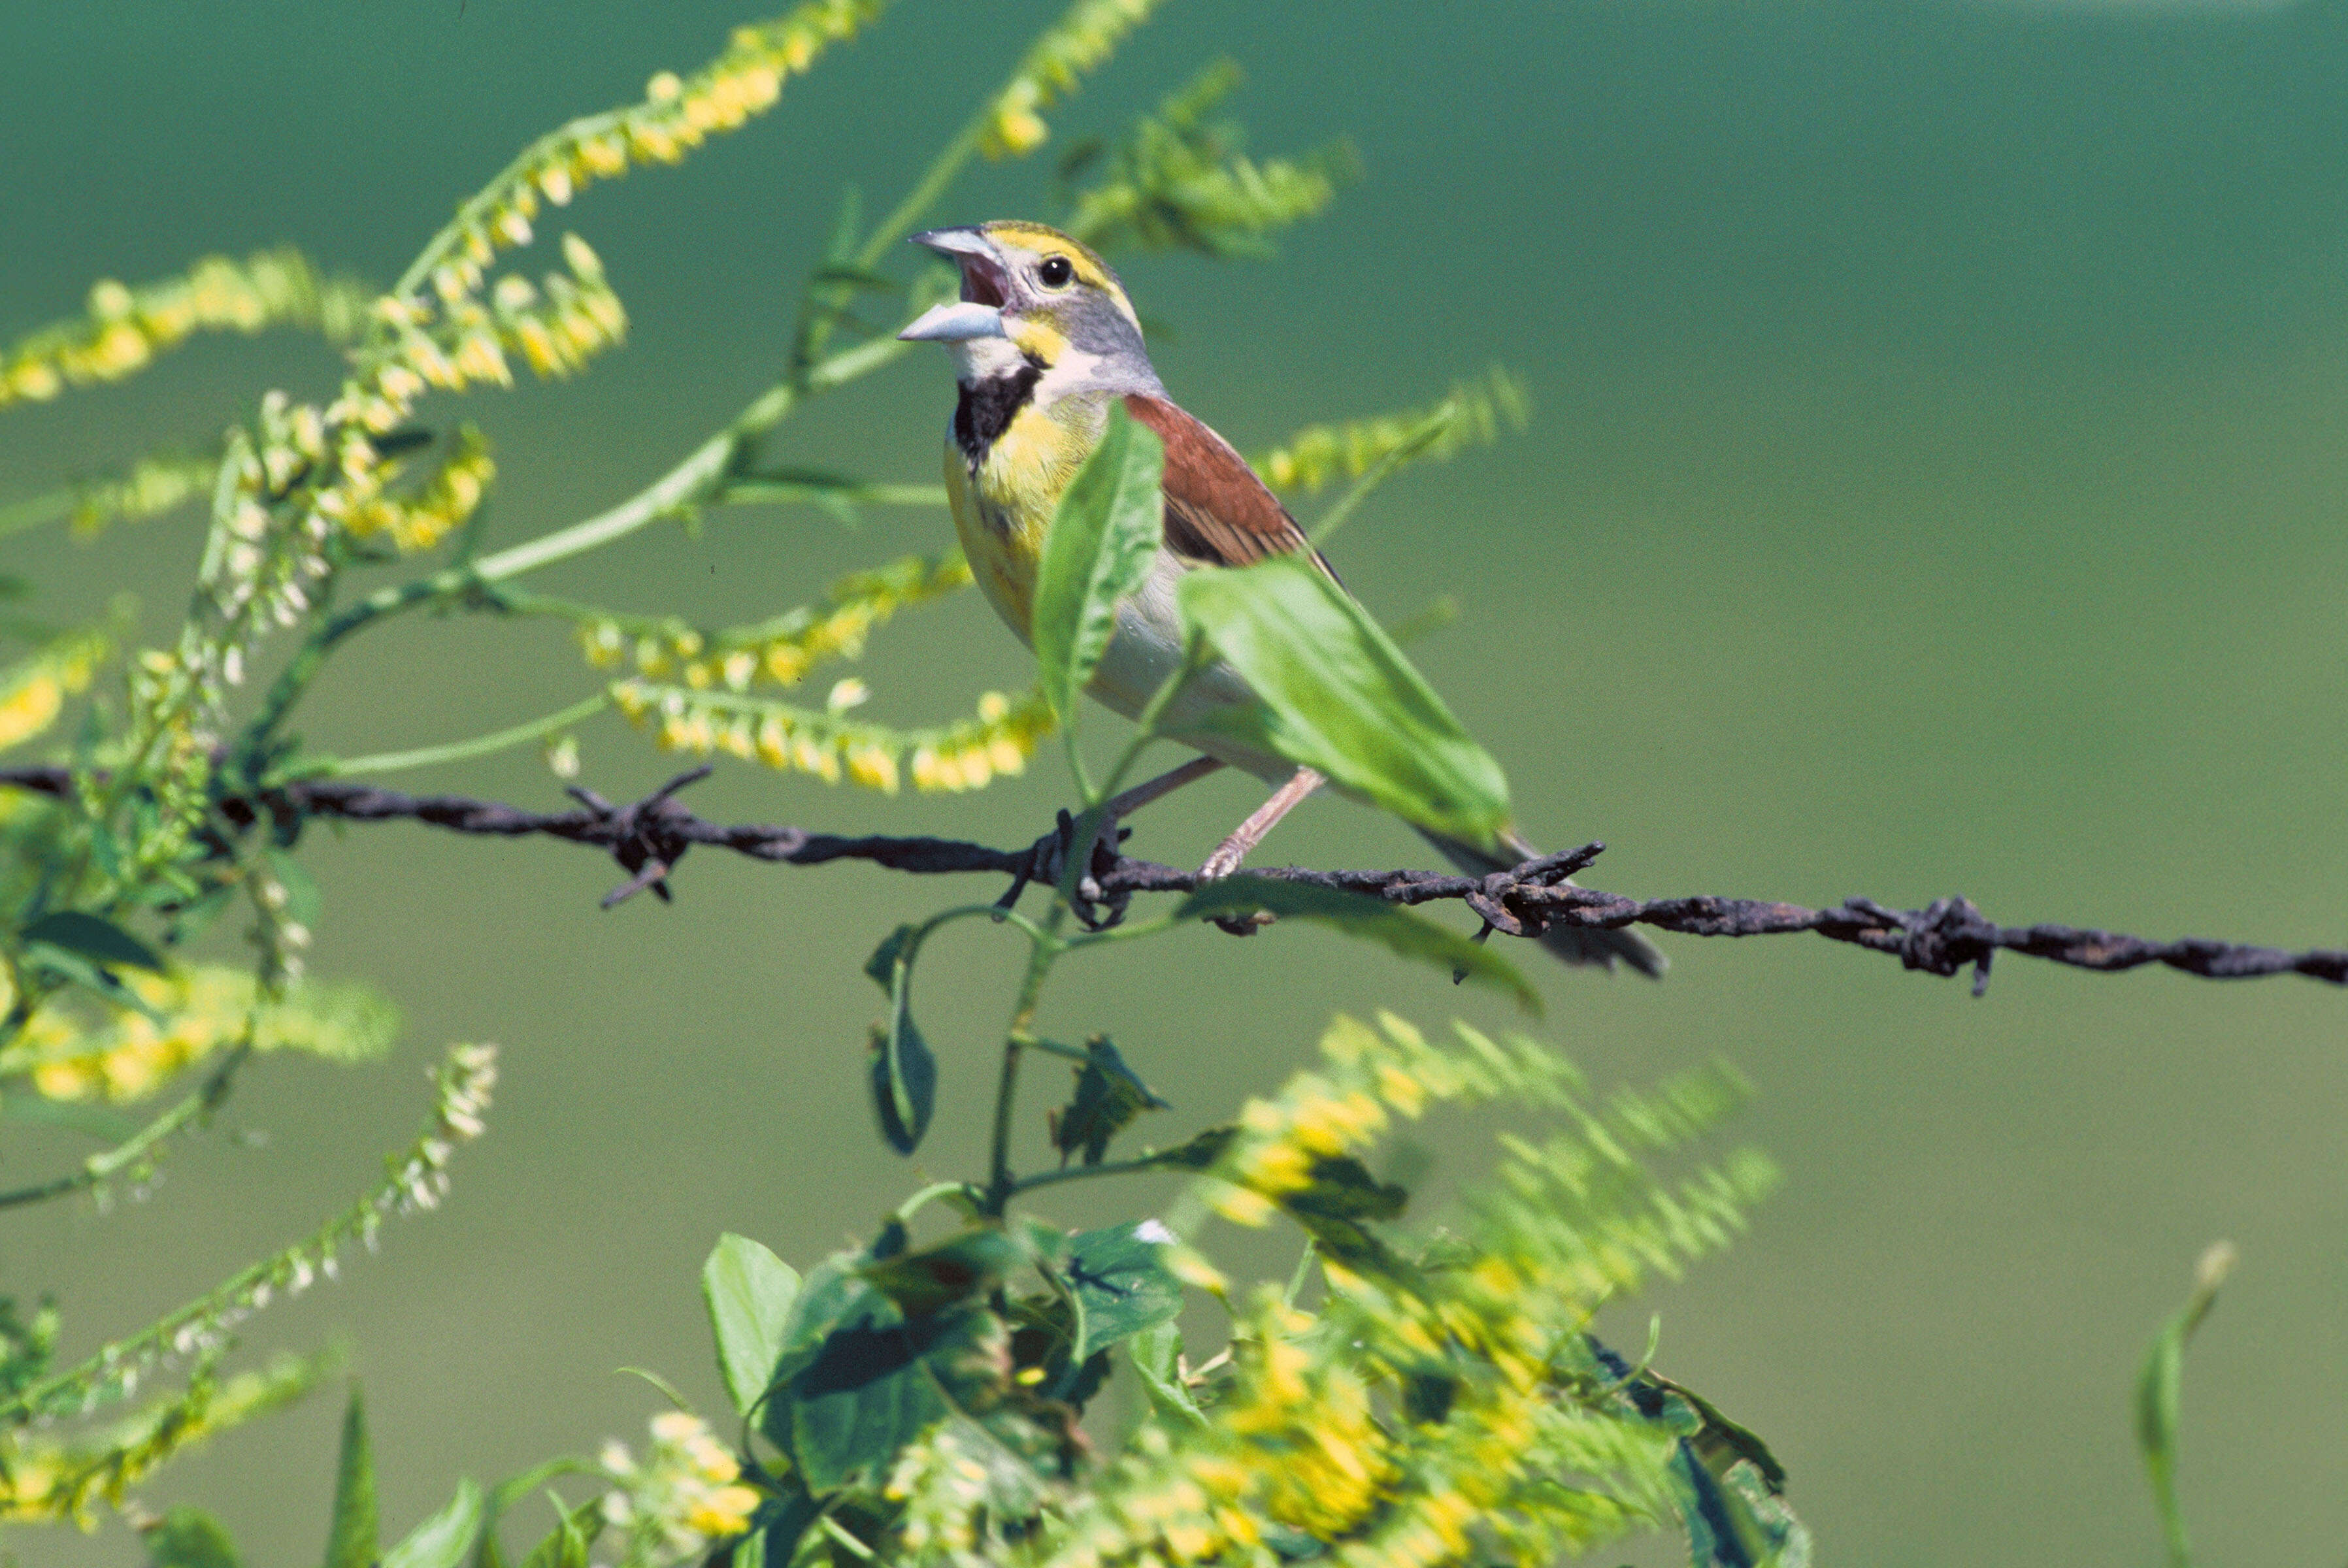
(1034, 300)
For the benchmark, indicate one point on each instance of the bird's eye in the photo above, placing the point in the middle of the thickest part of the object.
(1056, 273)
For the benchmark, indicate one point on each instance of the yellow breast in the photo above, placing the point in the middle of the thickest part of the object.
(1002, 510)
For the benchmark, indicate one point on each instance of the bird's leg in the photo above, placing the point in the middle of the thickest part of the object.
(1164, 784)
(1051, 851)
(1235, 849)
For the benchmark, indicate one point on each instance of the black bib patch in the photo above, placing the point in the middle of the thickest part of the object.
(985, 411)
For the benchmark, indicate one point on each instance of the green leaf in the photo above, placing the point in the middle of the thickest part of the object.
(443, 1540)
(749, 1292)
(1119, 1275)
(904, 1068)
(1101, 545)
(190, 1538)
(101, 941)
(1109, 1096)
(2159, 1390)
(355, 1538)
(954, 1270)
(1358, 915)
(882, 965)
(565, 1546)
(859, 1379)
(1157, 1356)
(1337, 1205)
(1336, 695)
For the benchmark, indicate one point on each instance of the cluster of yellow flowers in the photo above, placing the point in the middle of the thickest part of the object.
(203, 1008)
(421, 520)
(1078, 42)
(782, 649)
(463, 342)
(962, 757)
(684, 1494)
(47, 1481)
(677, 114)
(126, 328)
(1436, 1411)
(1471, 414)
(33, 691)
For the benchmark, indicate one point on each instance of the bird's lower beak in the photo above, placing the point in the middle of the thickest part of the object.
(979, 313)
(957, 322)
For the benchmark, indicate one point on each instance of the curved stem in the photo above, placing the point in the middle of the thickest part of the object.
(107, 1163)
(478, 746)
(1083, 1173)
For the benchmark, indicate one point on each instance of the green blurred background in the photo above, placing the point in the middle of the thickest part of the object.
(1934, 487)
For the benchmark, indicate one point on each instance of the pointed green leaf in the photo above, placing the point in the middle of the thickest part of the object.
(1156, 1355)
(100, 941)
(953, 1270)
(904, 1071)
(1337, 695)
(565, 1546)
(190, 1538)
(1109, 1096)
(1101, 545)
(356, 1537)
(2159, 1392)
(1358, 915)
(749, 1292)
(1119, 1275)
(443, 1540)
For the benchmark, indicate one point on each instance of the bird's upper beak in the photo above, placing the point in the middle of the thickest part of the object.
(984, 280)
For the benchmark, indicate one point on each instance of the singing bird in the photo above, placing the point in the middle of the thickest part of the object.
(1043, 340)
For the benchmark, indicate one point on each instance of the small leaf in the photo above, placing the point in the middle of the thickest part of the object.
(354, 1539)
(1358, 915)
(954, 1270)
(565, 1546)
(1099, 548)
(1119, 1275)
(2160, 1391)
(443, 1540)
(1109, 1096)
(882, 965)
(749, 1292)
(904, 1084)
(101, 941)
(1336, 1206)
(190, 1538)
(1336, 695)
(1156, 1355)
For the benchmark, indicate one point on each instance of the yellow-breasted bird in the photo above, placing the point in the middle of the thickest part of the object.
(1043, 340)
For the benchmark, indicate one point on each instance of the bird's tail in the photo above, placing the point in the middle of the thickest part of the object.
(1575, 945)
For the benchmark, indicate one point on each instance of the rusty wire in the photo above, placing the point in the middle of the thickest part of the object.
(647, 837)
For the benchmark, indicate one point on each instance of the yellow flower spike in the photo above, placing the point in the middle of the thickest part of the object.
(554, 179)
(699, 675)
(976, 768)
(29, 707)
(774, 744)
(1240, 1206)
(873, 768)
(923, 765)
(652, 657)
(738, 666)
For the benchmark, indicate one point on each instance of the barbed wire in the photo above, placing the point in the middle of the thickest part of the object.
(647, 837)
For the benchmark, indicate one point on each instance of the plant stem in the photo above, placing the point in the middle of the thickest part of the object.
(1429, 431)
(1000, 1182)
(478, 746)
(1085, 1173)
(101, 1166)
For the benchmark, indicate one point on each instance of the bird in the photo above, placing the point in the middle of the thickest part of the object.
(1044, 340)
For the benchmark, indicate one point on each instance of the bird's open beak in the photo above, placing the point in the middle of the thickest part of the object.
(979, 313)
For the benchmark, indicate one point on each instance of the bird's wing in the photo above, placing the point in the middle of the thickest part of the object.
(1218, 513)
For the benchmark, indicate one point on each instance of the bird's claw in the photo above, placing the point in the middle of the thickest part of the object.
(1047, 862)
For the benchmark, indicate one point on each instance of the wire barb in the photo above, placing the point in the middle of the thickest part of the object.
(648, 837)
